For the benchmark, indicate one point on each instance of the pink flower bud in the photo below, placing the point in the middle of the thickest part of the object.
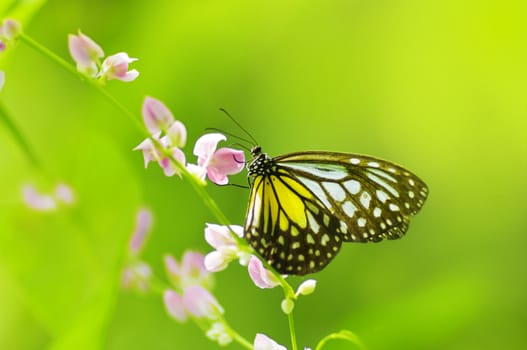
(11, 29)
(174, 305)
(156, 116)
(199, 302)
(64, 194)
(263, 342)
(116, 67)
(262, 277)
(307, 287)
(85, 52)
(2, 79)
(143, 226)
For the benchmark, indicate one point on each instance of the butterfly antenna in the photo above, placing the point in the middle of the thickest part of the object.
(236, 185)
(239, 125)
(232, 135)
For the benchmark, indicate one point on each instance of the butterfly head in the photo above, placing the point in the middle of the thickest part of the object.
(260, 164)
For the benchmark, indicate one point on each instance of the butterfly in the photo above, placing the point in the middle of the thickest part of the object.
(303, 205)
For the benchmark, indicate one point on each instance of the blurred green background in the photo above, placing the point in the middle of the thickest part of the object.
(439, 86)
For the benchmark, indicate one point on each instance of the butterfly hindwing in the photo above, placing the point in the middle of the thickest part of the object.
(303, 205)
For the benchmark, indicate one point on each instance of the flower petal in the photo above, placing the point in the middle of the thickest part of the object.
(261, 277)
(206, 146)
(224, 162)
(199, 302)
(84, 51)
(177, 133)
(174, 305)
(263, 342)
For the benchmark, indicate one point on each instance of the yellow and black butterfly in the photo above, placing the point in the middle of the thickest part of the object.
(303, 205)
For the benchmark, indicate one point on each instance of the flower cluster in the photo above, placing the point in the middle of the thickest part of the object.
(190, 296)
(61, 195)
(167, 138)
(9, 30)
(87, 54)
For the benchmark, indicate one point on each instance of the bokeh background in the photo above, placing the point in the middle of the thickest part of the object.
(439, 86)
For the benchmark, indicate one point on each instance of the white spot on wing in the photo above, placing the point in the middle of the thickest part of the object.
(355, 161)
(335, 190)
(383, 184)
(353, 186)
(316, 189)
(383, 197)
(361, 222)
(348, 208)
(365, 199)
(312, 222)
(328, 171)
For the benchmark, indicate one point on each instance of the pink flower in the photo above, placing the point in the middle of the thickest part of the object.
(218, 163)
(116, 67)
(262, 277)
(143, 226)
(36, 200)
(86, 53)
(156, 116)
(200, 303)
(263, 342)
(227, 249)
(47, 202)
(191, 271)
(152, 154)
(174, 305)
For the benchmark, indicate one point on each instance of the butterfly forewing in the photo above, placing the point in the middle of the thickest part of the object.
(373, 197)
(303, 205)
(289, 226)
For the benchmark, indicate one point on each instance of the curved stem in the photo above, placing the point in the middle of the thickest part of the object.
(19, 137)
(343, 335)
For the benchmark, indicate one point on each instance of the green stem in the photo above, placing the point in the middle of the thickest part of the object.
(197, 186)
(240, 340)
(92, 82)
(19, 137)
(292, 331)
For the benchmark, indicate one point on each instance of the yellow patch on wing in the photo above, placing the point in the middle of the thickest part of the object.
(297, 187)
(290, 201)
